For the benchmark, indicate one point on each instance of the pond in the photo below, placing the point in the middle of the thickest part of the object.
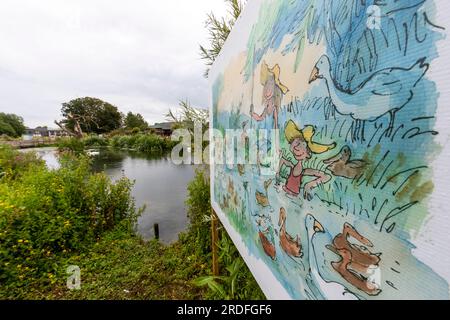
(160, 186)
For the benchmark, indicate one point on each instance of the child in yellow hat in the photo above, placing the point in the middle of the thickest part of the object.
(273, 92)
(302, 147)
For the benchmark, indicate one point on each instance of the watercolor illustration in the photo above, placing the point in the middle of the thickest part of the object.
(347, 87)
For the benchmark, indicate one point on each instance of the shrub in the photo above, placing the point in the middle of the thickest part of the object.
(4, 137)
(47, 215)
(150, 144)
(135, 130)
(71, 144)
(199, 211)
(13, 162)
(235, 280)
(95, 141)
(146, 143)
(117, 132)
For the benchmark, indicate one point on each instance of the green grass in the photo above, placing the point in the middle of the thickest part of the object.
(123, 267)
(145, 143)
(50, 220)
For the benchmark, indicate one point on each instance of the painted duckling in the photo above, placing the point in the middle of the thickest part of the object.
(269, 247)
(357, 262)
(362, 283)
(328, 290)
(262, 198)
(289, 244)
(241, 169)
(230, 187)
(362, 258)
(341, 165)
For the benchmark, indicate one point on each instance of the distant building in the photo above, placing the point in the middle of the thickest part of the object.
(43, 132)
(163, 129)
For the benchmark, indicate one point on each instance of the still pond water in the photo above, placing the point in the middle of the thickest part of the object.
(160, 185)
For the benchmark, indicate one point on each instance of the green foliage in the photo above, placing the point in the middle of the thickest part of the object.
(118, 132)
(122, 266)
(135, 131)
(12, 163)
(219, 29)
(95, 141)
(73, 145)
(4, 137)
(235, 281)
(147, 143)
(187, 115)
(52, 219)
(91, 114)
(46, 215)
(199, 211)
(11, 125)
(135, 121)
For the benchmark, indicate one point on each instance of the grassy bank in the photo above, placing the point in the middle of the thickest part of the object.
(47, 216)
(146, 143)
(50, 220)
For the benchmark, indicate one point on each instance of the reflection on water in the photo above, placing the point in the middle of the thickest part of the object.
(48, 154)
(159, 185)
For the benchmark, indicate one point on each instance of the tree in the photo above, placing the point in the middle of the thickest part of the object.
(135, 121)
(108, 119)
(187, 116)
(90, 115)
(219, 29)
(11, 125)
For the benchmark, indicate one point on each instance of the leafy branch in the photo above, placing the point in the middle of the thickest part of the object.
(219, 30)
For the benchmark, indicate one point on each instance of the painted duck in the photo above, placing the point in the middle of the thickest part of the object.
(262, 198)
(268, 247)
(225, 203)
(341, 166)
(241, 169)
(360, 253)
(328, 290)
(343, 267)
(289, 244)
(384, 92)
(357, 263)
(230, 187)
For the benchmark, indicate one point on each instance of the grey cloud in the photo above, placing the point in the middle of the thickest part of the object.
(139, 55)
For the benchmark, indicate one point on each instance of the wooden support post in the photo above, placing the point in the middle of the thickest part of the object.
(156, 230)
(214, 241)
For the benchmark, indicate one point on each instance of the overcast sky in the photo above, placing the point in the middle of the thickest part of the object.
(140, 55)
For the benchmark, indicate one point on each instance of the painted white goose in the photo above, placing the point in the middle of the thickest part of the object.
(384, 92)
(328, 290)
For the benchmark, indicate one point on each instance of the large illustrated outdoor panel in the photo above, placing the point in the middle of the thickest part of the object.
(347, 196)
